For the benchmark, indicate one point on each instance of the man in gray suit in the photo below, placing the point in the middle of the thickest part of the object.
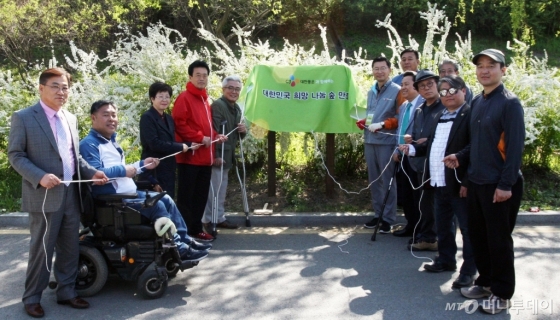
(43, 149)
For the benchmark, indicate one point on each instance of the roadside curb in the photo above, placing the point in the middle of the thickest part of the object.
(353, 218)
(21, 219)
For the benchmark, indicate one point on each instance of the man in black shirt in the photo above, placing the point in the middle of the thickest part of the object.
(495, 187)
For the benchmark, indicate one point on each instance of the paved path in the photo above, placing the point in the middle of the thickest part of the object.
(302, 273)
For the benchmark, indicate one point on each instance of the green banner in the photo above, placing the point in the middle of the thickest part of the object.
(303, 99)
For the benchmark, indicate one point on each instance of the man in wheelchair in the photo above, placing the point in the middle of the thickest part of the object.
(101, 151)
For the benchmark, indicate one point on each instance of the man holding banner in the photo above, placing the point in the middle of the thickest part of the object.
(379, 142)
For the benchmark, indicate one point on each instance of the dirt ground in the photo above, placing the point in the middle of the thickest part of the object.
(312, 197)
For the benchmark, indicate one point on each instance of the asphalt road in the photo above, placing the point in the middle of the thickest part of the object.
(312, 273)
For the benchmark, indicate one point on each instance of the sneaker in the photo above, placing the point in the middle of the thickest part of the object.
(203, 236)
(476, 292)
(227, 225)
(494, 304)
(421, 245)
(385, 227)
(199, 246)
(194, 255)
(372, 224)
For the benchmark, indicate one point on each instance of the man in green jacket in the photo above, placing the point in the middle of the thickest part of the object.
(226, 117)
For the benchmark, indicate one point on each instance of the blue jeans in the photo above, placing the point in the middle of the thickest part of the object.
(165, 207)
(447, 205)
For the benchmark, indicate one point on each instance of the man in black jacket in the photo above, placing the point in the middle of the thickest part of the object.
(451, 135)
(425, 121)
(497, 133)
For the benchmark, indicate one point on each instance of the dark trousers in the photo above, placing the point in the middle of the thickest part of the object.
(447, 206)
(409, 197)
(426, 228)
(490, 228)
(192, 194)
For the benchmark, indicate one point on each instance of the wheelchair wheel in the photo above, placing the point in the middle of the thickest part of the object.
(150, 285)
(170, 266)
(92, 272)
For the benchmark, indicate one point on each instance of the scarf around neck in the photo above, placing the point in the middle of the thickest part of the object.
(196, 91)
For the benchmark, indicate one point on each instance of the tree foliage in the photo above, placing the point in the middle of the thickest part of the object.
(218, 16)
(30, 28)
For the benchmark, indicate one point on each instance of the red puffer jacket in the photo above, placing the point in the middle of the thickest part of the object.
(193, 121)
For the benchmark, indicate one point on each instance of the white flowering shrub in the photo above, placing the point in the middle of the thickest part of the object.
(530, 78)
(162, 54)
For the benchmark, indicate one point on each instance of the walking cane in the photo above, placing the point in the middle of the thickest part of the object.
(384, 203)
(215, 202)
(244, 194)
(242, 182)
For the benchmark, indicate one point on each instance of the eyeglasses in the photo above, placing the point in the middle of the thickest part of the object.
(163, 97)
(450, 91)
(234, 89)
(56, 88)
(380, 69)
(426, 85)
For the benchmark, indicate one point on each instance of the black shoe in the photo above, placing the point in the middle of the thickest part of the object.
(462, 281)
(438, 266)
(372, 224)
(194, 255)
(199, 246)
(385, 227)
(76, 303)
(404, 232)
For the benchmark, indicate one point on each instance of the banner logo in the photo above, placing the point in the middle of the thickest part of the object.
(292, 81)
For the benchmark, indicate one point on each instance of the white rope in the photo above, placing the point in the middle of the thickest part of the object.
(351, 235)
(339, 185)
(188, 148)
(45, 216)
(340, 245)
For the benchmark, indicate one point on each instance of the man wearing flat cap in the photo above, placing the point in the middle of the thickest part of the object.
(425, 120)
(497, 132)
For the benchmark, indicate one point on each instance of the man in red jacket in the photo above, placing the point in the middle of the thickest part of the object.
(193, 123)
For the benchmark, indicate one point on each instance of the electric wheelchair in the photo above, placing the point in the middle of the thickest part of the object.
(117, 239)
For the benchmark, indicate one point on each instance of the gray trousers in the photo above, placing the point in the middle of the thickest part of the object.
(62, 236)
(221, 193)
(377, 157)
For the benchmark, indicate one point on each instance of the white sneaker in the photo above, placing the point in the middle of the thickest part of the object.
(476, 292)
(494, 304)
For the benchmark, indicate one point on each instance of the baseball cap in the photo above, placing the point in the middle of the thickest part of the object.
(493, 54)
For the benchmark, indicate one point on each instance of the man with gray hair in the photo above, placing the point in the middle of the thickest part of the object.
(450, 67)
(226, 117)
